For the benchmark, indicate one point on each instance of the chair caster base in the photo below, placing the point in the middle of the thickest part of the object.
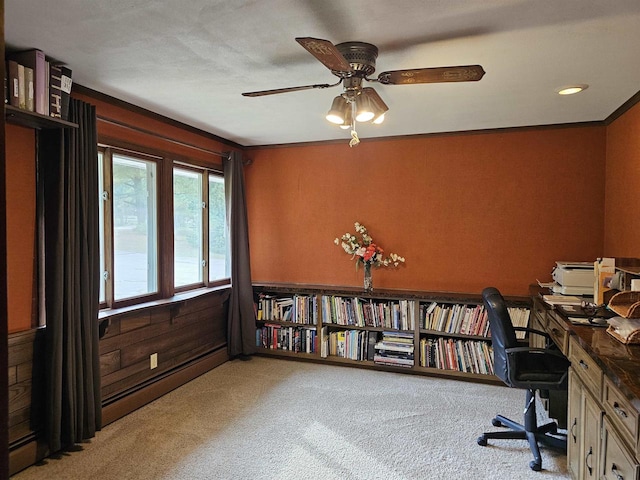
(482, 441)
(496, 423)
(535, 466)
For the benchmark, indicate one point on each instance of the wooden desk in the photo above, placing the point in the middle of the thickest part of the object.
(603, 439)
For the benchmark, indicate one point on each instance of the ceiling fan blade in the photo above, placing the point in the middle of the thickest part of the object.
(286, 90)
(465, 73)
(326, 52)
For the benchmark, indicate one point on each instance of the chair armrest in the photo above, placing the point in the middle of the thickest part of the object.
(532, 330)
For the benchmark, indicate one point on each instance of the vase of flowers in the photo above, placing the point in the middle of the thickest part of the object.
(368, 281)
(364, 251)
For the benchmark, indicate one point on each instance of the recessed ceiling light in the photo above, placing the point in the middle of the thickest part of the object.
(571, 89)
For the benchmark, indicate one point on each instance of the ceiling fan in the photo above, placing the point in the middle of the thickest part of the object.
(353, 63)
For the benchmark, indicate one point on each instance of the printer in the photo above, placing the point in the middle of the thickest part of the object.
(573, 278)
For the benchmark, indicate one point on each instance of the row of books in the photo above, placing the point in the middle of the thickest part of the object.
(354, 311)
(351, 344)
(396, 349)
(293, 339)
(38, 85)
(393, 349)
(297, 309)
(466, 319)
(471, 356)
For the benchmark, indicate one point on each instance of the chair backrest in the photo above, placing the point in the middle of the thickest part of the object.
(502, 333)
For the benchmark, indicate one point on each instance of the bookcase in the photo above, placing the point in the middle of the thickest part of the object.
(428, 333)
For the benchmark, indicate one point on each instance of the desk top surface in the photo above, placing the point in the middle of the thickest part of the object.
(619, 362)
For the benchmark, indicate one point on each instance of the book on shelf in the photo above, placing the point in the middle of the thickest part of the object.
(393, 361)
(22, 88)
(13, 84)
(28, 89)
(395, 348)
(469, 320)
(35, 60)
(470, 356)
(290, 338)
(350, 344)
(324, 342)
(371, 346)
(66, 83)
(519, 318)
(297, 309)
(367, 313)
(55, 91)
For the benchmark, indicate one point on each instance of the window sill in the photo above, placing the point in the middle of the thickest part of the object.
(177, 299)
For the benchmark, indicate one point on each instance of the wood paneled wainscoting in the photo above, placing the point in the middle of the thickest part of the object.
(188, 333)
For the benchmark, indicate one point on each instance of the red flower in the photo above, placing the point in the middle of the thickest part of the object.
(369, 252)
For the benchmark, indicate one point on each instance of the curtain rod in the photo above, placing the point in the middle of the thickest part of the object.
(171, 140)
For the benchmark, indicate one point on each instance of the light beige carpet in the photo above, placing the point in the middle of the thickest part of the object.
(277, 419)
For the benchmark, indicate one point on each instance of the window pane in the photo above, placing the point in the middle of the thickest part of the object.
(187, 227)
(134, 227)
(101, 224)
(218, 241)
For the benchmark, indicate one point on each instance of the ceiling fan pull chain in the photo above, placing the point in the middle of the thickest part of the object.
(354, 135)
(354, 139)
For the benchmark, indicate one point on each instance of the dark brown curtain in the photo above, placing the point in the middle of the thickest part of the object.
(68, 183)
(241, 326)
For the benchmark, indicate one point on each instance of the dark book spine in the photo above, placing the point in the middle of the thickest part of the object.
(65, 87)
(13, 83)
(55, 91)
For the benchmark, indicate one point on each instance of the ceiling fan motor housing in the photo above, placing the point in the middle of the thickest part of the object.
(361, 56)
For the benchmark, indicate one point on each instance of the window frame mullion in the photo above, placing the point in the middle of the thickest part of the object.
(205, 227)
(107, 175)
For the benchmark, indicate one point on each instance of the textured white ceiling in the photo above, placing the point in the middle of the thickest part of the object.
(191, 60)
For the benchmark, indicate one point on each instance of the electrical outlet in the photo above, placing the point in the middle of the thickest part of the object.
(153, 359)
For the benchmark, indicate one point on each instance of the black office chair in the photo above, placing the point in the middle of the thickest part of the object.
(533, 369)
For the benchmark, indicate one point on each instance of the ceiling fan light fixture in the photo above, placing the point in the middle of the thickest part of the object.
(378, 106)
(336, 113)
(364, 109)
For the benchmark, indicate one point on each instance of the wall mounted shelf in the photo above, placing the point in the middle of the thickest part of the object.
(25, 118)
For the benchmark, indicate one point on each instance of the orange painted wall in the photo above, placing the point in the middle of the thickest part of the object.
(21, 218)
(467, 211)
(622, 205)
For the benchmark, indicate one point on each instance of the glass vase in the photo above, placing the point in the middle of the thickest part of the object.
(368, 281)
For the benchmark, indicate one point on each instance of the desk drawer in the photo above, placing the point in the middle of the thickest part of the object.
(586, 368)
(558, 333)
(617, 462)
(539, 310)
(622, 413)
